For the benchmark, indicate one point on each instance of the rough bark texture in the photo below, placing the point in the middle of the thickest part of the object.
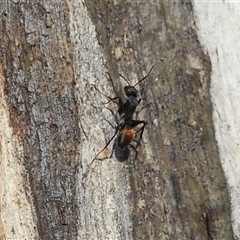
(219, 35)
(52, 54)
(39, 87)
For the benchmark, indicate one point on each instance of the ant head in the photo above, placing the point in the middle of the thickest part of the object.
(131, 91)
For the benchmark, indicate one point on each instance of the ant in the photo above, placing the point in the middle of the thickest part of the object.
(125, 128)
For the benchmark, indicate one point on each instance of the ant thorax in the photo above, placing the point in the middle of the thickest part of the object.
(130, 106)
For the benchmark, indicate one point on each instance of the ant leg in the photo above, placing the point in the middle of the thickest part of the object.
(109, 98)
(141, 129)
(115, 91)
(115, 116)
(142, 108)
(134, 123)
(87, 172)
(109, 77)
(116, 131)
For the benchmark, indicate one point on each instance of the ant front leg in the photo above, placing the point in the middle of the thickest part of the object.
(105, 95)
(114, 89)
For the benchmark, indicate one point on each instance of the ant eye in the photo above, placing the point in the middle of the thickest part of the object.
(130, 91)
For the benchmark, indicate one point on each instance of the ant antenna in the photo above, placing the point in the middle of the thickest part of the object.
(146, 75)
(140, 80)
(124, 79)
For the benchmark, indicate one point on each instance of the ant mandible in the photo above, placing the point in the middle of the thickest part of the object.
(125, 128)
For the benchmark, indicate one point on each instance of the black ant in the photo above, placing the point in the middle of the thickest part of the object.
(125, 128)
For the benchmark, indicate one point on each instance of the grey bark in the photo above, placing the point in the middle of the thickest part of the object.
(52, 54)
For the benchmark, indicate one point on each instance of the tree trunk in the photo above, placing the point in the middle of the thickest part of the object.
(54, 85)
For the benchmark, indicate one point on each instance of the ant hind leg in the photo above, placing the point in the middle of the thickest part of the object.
(95, 158)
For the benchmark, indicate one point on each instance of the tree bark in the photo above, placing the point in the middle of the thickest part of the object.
(54, 121)
(218, 36)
